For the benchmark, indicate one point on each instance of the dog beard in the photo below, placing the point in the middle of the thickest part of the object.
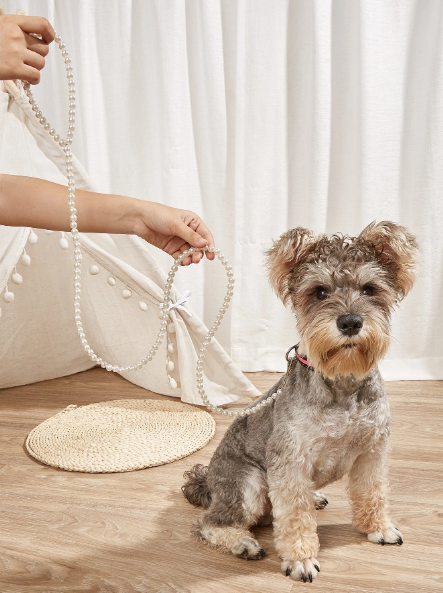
(333, 354)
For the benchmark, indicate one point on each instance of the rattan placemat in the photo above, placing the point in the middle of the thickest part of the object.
(120, 435)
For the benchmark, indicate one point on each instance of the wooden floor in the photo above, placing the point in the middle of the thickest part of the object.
(70, 532)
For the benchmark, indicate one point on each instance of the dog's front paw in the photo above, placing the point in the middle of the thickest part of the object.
(389, 535)
(301, 570)
(320, 500)
(248, 548)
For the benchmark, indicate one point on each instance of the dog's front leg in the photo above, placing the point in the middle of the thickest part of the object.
(295, 529)
(368, 486)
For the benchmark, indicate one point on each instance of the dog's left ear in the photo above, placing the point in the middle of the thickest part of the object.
(398, 248)
(285, 255)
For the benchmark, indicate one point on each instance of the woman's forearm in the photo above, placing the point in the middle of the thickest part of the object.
(30, 202)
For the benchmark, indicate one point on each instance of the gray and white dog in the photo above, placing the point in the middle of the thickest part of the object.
(332, 416)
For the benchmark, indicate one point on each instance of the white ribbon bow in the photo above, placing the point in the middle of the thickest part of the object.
(179, 304)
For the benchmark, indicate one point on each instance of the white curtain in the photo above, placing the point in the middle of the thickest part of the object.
(262, 115)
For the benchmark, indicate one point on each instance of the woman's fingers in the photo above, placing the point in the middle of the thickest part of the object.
(194, 230)
(29, 73)
(37, 25)
(191, 236)
(187, 260)
(33, 59)
(22, 55)
(196, 257)
(197, 225)
(37, 45)
(171, 229)
(32, 63)
(178, 247)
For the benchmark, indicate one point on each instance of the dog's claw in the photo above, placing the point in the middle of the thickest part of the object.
(258, 556)
(301, 570)
(387, 535)
(320, 500)
(248, 548)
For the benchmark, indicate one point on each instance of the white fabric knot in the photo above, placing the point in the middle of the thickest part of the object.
(179, 304)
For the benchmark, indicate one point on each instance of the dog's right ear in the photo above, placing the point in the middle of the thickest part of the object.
(397, 248)
(285, 255)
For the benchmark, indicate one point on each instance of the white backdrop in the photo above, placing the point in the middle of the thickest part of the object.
(262, 115)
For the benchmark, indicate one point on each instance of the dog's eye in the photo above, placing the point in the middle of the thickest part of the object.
(322, 293)
(368, 290)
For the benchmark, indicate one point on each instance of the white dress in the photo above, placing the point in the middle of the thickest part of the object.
(38, 336)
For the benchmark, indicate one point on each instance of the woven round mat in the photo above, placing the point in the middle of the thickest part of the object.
(120, 436)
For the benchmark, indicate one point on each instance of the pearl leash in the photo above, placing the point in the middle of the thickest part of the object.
(164, 306)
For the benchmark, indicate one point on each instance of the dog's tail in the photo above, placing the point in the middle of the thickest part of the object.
(196, 488)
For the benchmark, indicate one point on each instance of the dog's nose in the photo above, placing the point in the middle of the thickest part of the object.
(349, 325)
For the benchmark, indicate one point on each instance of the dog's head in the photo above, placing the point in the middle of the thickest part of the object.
(342, 290)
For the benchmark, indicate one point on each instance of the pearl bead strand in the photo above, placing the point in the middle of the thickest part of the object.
(164, 314)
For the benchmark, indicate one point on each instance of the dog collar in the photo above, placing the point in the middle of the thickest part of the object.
(297, 356)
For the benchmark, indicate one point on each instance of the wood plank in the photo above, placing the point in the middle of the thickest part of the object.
(70, 532)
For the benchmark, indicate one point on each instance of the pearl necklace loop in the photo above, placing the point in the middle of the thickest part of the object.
(165, 305)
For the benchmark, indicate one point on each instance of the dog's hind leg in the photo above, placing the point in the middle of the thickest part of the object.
(233, 510)
(237, 540)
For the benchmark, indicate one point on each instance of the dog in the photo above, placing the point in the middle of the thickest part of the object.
(330, 417)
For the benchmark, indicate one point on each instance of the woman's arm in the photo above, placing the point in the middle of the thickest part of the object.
(26, 201)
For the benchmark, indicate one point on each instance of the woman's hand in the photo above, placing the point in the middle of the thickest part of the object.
(173, 230)
(22, 56)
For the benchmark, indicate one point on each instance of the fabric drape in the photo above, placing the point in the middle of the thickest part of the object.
(263, 115)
